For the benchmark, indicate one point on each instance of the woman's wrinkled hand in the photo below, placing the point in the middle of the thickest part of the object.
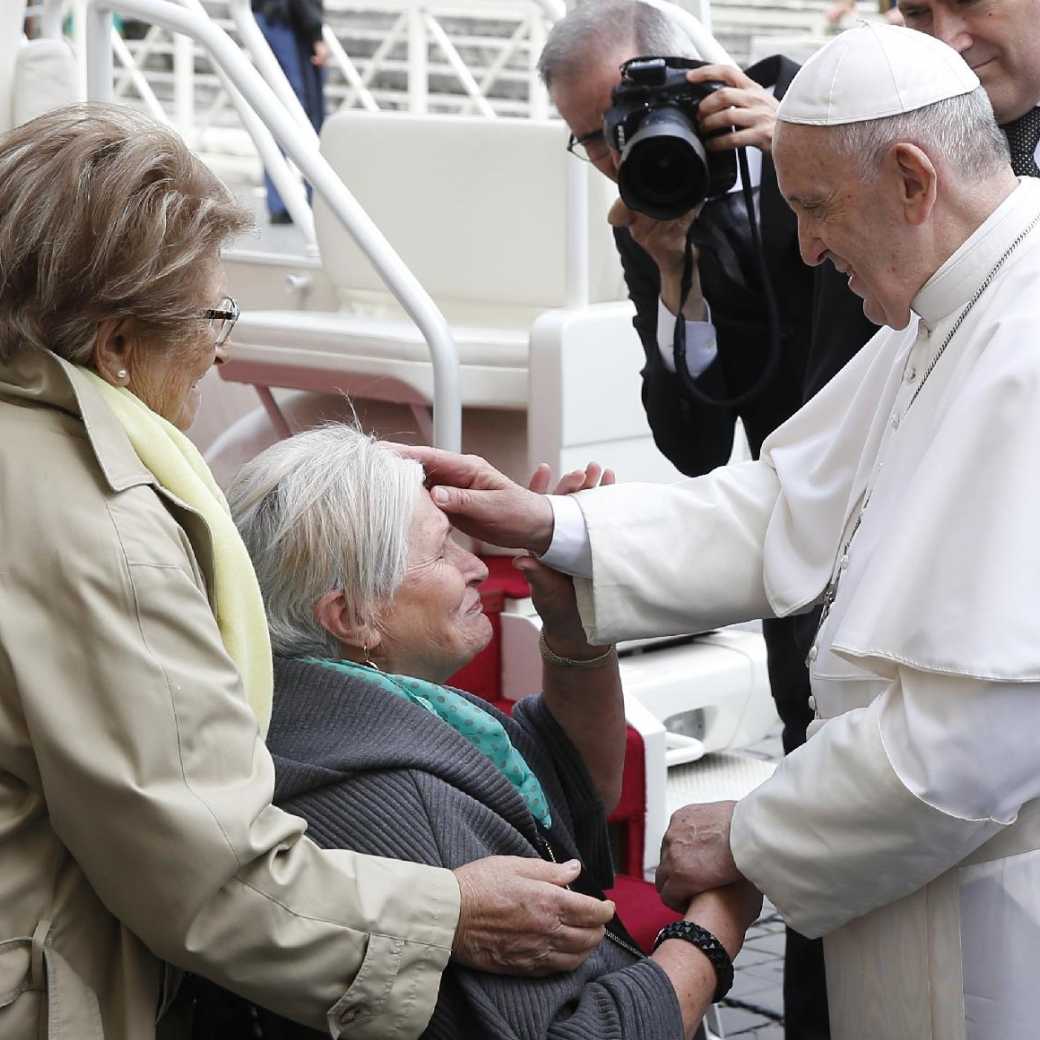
(551, 591)
(593, 475)
(518, 917)
(727, 913)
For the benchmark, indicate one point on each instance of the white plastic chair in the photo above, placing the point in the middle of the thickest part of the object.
(477, 209)
(35, 75)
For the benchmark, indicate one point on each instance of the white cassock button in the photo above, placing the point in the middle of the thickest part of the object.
(895, 422)
(813, 651)
(911, 374)
(844, 561)
(812, 703)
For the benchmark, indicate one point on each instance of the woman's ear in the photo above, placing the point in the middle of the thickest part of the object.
(112, 350)
(332, 613)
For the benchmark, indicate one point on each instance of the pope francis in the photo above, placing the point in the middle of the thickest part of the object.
(904, 498)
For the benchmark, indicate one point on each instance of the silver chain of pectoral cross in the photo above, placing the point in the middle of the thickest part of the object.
(841, 563)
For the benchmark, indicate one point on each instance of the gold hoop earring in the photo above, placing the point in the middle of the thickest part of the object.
(368, 660)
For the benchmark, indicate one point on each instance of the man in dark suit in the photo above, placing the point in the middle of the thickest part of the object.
(822, 323)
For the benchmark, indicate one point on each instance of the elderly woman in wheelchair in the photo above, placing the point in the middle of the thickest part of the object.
(372, 605)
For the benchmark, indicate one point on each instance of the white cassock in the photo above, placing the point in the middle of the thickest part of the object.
(907, 829)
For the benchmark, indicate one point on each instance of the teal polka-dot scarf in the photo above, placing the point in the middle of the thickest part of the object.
(482, 730)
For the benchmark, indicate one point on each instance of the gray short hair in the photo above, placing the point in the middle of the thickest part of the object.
(104, 213)
(594, 28)
(961, 129)
(325, 510)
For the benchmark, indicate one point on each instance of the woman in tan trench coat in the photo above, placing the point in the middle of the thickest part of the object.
(137, 835)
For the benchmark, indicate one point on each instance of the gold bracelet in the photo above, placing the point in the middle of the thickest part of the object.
(550, 656)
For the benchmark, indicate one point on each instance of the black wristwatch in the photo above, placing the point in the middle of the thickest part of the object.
(708, 945)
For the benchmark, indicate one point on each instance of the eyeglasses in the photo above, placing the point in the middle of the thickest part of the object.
(222, 319)
(591, 147)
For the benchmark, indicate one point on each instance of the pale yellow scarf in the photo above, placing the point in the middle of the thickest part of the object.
(180, 469)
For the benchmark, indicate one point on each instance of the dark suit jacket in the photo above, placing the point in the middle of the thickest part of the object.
(822, 321)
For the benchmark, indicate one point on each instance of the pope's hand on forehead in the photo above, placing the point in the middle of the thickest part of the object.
(742, 104)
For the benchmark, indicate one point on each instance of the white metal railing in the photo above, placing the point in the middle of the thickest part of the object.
(421, 55)
(417, 55)
(441, 55)
(259, 97)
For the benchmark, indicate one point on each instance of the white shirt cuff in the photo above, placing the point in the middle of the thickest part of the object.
(701, 345)
(570, 550)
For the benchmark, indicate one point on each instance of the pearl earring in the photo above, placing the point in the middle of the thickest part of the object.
(122, 374)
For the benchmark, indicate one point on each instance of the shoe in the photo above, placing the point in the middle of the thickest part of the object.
(281, 218)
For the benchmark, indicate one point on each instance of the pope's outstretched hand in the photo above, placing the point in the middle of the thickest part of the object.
(484, 503)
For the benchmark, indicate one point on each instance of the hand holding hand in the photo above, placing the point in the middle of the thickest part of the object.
(551, 591)
(482, 502)
(742, 104)
(695, 854)
(517, 917)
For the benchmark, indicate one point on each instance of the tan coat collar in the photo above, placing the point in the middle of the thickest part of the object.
(40, 377)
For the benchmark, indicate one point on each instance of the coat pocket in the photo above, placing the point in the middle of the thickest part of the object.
(35, 979)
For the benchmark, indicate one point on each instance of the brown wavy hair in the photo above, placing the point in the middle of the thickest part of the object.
(104, 213)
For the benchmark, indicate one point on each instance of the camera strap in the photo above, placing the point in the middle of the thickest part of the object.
(772, 312)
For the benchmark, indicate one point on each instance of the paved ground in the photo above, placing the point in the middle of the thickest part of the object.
(754, 1008)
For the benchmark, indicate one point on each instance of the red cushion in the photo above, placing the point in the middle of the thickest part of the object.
(630, 811)
(640, 909)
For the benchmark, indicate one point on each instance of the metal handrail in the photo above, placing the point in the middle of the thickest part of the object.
(286, 181)
(554, 9)
(225, 55)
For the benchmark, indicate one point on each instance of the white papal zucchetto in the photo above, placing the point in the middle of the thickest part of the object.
(872, 72)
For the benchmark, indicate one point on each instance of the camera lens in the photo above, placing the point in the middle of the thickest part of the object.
(664, 167)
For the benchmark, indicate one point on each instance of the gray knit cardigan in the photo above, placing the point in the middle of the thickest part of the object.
(372, 772)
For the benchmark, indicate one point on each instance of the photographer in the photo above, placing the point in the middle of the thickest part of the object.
(727, 332)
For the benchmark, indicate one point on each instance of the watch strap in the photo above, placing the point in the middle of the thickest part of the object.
(708, 945)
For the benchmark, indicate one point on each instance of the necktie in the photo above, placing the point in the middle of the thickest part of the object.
(1023, 136)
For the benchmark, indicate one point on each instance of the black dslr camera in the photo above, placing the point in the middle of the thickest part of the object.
(652, 122)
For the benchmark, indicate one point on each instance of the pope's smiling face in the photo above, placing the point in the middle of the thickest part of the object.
(999, 39)
(845, 218)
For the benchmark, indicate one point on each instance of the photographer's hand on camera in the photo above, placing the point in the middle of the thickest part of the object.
(742, 104)
(665, 244)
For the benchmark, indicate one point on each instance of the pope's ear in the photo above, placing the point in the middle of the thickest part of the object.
(333, 614)
(918, 181)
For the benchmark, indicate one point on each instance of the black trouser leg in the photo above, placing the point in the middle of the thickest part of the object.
(805, 989)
